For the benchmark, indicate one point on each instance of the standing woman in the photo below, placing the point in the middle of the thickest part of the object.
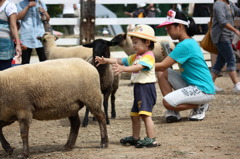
(192, 87)
(222, 35)
(8, 32)
(29, 12)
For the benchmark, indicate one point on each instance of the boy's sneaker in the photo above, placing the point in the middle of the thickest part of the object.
(198, 113)
(172, 116)
(129, 140)
(218, 89)
(146, 142)
(236, 88)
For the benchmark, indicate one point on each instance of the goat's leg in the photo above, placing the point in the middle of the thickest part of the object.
(5, 145)
(85, 120)
(75, 124)
(24, 131)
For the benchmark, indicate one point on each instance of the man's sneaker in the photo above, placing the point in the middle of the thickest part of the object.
(198, 113)
(146, 142)
(172, 116)
(236, 88)
(129, 140)
(218, 89)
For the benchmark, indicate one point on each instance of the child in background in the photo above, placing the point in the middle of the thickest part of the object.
(142, 66)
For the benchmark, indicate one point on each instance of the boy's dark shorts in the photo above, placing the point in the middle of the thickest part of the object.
(144, 99)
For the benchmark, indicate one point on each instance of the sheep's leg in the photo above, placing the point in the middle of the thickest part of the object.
(85, 120)
(105, 104)
(75, 124)
(113, 112)
(100, 116)
(24, 131)
(5, 145)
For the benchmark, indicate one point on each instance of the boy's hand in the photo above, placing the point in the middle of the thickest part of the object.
(118, 69)
(100, 60)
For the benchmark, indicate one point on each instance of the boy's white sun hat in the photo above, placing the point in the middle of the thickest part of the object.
(171, 19)
(144, 32)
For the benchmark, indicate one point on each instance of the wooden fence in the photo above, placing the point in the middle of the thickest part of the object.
(126, 21)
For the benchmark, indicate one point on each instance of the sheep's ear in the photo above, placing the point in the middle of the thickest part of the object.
(56, 38)
(88, 45)
(111, 43)
(125, 35)
(46, 33)
(40, 38)
(117, 39)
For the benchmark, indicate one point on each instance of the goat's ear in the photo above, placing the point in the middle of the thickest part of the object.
(90, 45)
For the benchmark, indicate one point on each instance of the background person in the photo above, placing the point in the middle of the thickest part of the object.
(223, 31)
(8, 33)
(140, 11)
(69, 11)
(202, 10)
(32, 27)
(192, 87)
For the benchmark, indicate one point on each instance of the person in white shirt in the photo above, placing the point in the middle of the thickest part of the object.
(69, 12)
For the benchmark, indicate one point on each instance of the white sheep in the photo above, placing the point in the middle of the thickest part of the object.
(56, 52)
(50, 90)
(161, 48)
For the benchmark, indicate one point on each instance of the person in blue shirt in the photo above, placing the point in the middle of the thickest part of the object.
(29, 12)
(192, 87)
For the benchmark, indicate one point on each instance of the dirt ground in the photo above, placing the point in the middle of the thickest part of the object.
(216, 137)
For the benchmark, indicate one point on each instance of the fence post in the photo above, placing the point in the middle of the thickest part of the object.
(87, 24)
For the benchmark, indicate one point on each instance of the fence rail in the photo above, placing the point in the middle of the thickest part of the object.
(129, 1)
(126, 21)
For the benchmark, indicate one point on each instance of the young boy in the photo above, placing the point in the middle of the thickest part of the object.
(142, 66)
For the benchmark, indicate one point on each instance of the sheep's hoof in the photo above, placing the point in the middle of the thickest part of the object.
(104, 145)
(84, 124)
(68, 147)
(22, 156)
(9, 151)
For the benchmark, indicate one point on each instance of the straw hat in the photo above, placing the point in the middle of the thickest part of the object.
(143, 32)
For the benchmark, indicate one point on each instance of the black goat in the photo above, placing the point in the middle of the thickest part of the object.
(108, 82)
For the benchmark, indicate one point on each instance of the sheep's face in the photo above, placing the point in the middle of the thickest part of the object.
(47, 36)
(100, 47)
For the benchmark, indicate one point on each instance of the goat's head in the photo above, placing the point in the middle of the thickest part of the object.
(100, 47)
(119, 38)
